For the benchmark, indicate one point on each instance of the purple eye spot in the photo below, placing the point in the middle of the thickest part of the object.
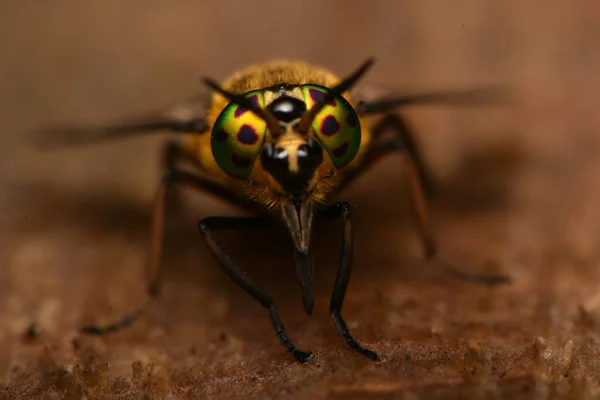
(351, 120)
(341, 150)
(330, 126)
(241, 162)
(239, 111)
(221, 135)
(318, 95)
(254, 100)
(247, 135)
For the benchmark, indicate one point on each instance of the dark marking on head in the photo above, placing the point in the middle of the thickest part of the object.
(318, 95)
(310, 155)
(287, 108)
(254, 100)
(241, 162)
(280, 88)
(351, 120)
(341, 150)
(247, 135)
(221, 135)
(239, 111)
(330, 126)
(275, 161)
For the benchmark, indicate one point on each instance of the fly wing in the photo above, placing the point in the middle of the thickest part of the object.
(374, 99)
(367, 93)
(185, 117)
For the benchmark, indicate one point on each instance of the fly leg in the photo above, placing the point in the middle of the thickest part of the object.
(409, 145)
(173, 154)
(206, 226)
(420, 183)
(342, 210)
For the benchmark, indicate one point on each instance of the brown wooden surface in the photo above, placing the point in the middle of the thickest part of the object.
(520, 194)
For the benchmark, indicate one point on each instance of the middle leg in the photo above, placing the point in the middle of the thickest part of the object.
(173, 178)
(417, 189)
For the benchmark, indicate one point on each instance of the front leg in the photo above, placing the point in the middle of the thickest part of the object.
(342, 210)
(239, 277)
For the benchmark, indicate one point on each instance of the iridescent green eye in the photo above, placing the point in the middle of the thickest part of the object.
(237, 137)
(337, 125)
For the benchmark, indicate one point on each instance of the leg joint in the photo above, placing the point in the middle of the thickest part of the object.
(171, 152)
(203, 225)
(170, 175)
(344, 209)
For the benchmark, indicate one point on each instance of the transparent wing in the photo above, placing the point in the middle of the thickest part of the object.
(376, 99)
(186, 116)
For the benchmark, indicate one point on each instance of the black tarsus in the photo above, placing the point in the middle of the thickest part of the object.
(342, 210)
(126, 320)
(240, 278)
(474, 277)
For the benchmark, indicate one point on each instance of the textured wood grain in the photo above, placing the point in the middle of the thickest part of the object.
(519, 194)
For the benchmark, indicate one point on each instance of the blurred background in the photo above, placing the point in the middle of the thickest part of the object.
(518, 189)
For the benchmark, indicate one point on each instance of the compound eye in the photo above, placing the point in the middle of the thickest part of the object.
(336, 126)
(237, 137)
